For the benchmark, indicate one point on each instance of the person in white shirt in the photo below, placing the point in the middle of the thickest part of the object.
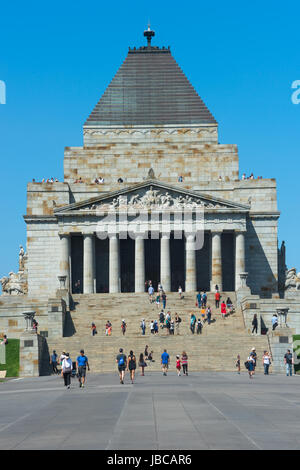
(180, 292)
(152, 326)
(67, 367)
(266, 362)
(151, 292)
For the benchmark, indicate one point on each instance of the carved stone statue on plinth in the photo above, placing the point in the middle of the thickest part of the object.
(16, 283)
(292, 284)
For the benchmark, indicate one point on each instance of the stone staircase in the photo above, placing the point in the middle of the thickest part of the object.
(214, 350)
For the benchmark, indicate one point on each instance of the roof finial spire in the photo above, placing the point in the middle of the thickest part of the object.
(149, 35)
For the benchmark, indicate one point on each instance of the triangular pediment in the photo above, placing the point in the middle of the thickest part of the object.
(151, 194)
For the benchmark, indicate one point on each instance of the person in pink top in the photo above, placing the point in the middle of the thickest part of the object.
(184, 362)
(178, 365)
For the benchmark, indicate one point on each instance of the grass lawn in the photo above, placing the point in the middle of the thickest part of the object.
(12, 358)
(296, 341)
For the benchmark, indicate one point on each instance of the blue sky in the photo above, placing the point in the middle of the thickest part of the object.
(57, 58)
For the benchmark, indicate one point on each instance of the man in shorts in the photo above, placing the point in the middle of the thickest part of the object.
(82, 363)
(121, 360)
(165, 358)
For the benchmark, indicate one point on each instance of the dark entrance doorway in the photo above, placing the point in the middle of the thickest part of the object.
(203, 265)
(127, 265)
(77, 264)
(228, 261)
(102, 265)
(177, 249)
(152, 261)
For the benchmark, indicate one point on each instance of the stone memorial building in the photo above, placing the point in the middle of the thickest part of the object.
(152, 132)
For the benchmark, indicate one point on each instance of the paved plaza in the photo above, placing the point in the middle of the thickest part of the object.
(201, 411)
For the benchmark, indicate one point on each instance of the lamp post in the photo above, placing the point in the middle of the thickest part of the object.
(29, 316)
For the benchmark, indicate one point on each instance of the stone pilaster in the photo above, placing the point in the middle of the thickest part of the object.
(114, 264)
(65, 255)
(216, 261)
(190, 264)
(239, 258)
(139, 264)
(165, 262)
(88, 263)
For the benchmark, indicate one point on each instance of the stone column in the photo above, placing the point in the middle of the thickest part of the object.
(65, 253)
(88, 263)
(239, 258)
(216, 261)
(114, 265)
(139, 264)
(165, 262)
(190, 264)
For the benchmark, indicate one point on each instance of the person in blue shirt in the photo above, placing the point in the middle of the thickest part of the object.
(199, 299)
(165, 358)
(54, 363)
(82, 363)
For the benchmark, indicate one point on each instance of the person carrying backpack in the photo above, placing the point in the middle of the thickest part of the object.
(121, 360)
(199, 326)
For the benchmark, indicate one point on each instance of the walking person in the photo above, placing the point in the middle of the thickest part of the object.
(164, 299)
(131, 366)
(266, 360)
(123, 327)
(121, 360)
(223, 310)
(204, 299)
(254, 324)
(94, 329)
(217, 299)
(67, 367)
(199, 326)
(142, 364)
(161, 319)
(143, 326)
(251, 365)
(184, 362)
(192, 323)
(157, 300)
(150, 292)
(274, 322)
(177, 323)
(168, 321)
(198, 299)
(155, 327)
(208, 315)
(108, 328)
(53, 361)
(178, 365)
(165, 359)
(238, 364)
(180, 292)
(152, 326)
(82, 363)
(254, 355)
(172, 327)
(288, 360)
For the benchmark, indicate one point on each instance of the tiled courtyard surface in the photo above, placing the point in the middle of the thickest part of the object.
(201, 411)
